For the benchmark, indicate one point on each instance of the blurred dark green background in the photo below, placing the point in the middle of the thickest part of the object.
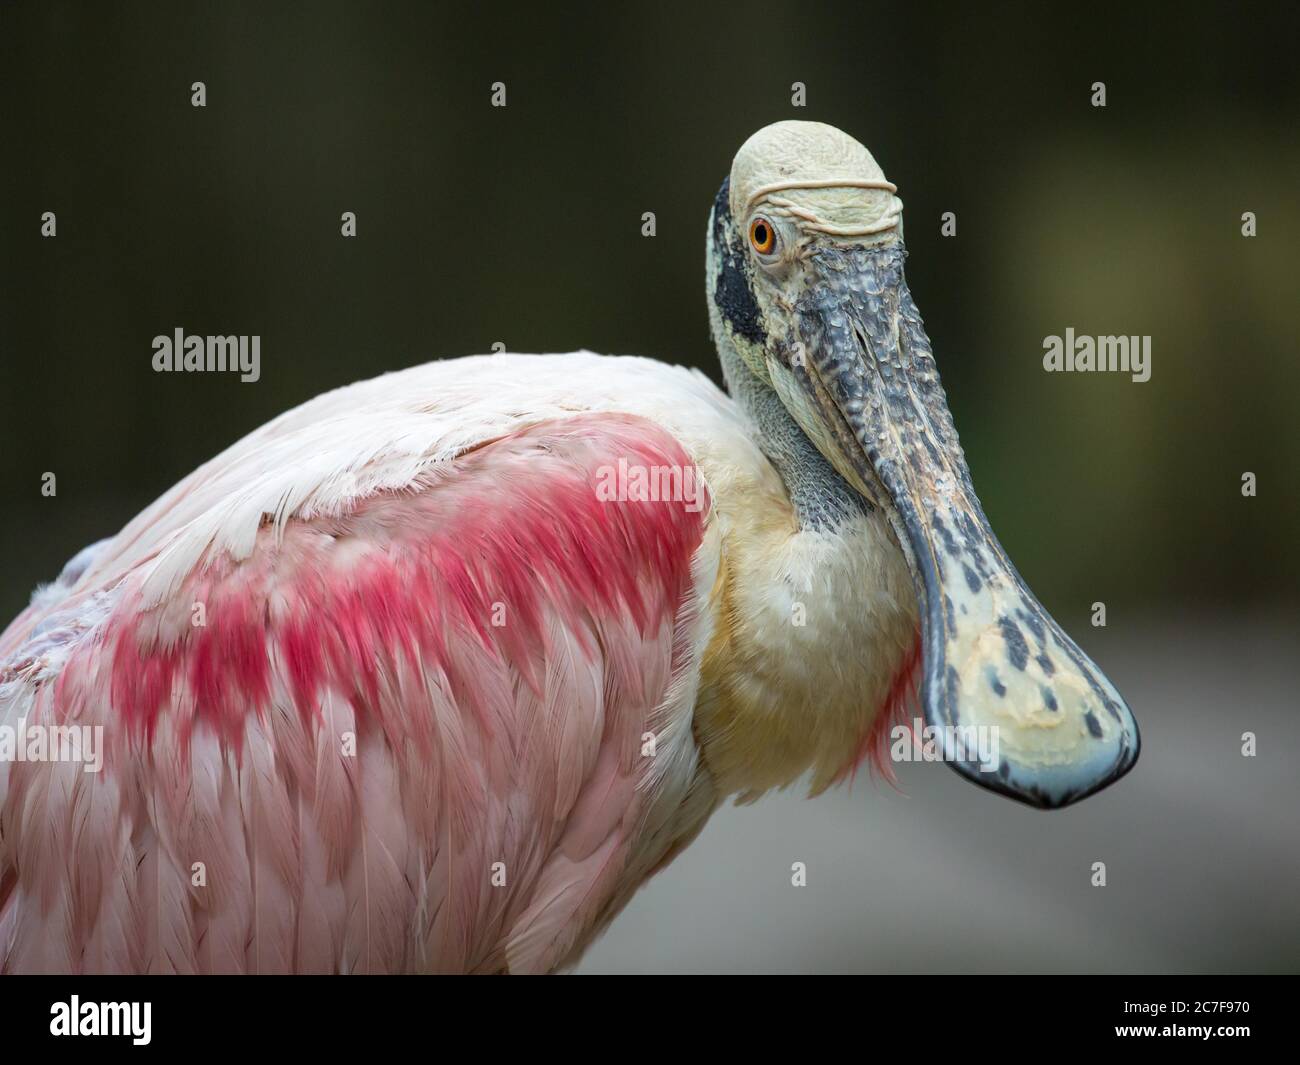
(522, 225)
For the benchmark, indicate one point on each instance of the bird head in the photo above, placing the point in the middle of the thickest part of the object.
(807, 294)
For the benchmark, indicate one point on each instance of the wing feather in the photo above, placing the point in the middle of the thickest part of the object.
(407, 732)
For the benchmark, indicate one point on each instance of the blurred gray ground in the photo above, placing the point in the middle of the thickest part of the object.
(1201, 845)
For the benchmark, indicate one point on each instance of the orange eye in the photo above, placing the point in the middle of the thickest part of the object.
(762, 236)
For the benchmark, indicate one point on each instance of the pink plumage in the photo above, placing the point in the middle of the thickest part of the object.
(405, 735)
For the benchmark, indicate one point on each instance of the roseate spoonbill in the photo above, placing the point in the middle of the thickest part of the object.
(433, 671)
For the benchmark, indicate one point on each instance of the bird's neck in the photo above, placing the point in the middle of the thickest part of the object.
(822, 499)
(815, 618)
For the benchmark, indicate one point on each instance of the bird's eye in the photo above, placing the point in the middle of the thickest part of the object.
(762, 235)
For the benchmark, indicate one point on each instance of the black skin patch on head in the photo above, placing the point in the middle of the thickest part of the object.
(1017, 649)
(972, 579)
(1046, 664)
(732, 293)
(999, 689)
(1094, 726)
(1049, 699)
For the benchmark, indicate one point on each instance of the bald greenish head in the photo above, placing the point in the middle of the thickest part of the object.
(808, 301)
